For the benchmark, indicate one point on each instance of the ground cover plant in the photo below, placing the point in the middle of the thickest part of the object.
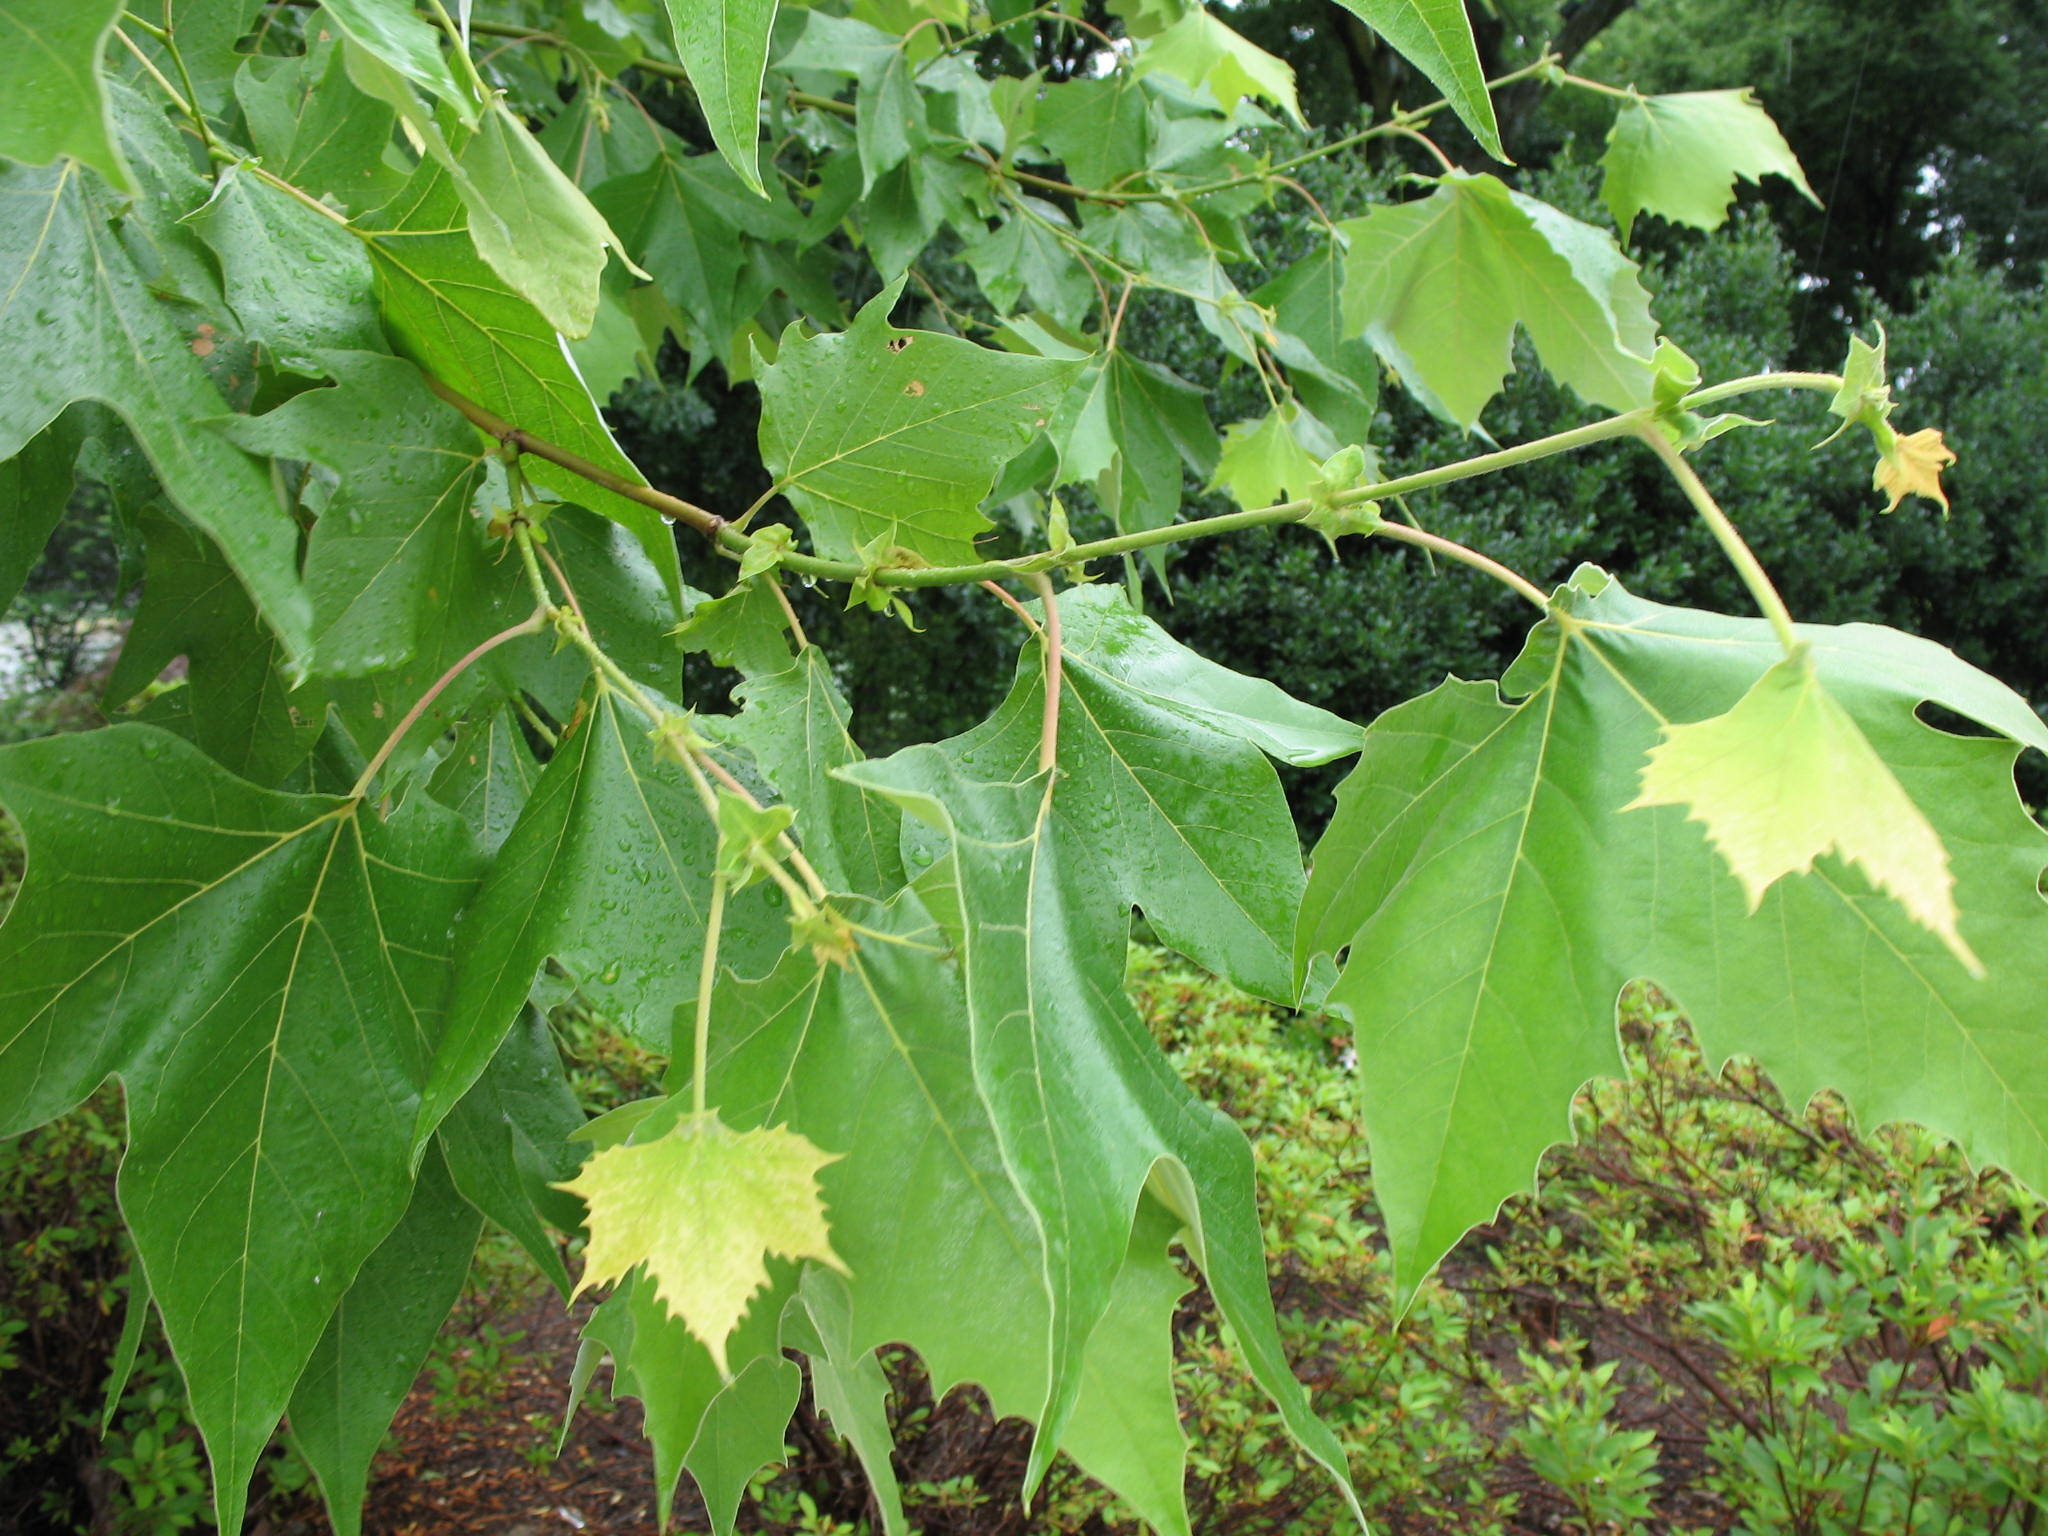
(319, 302)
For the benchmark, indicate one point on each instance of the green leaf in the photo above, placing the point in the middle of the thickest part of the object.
(91, 321)
(744, 629)
(1678, 156)
(1335, 374)
(532, 224)
(922, 1156)
(50, 52)
(891, 126)
(378, 1338)
(795, 722)
(849, 1385)
(35, 488)
(607, 870)
(301, 282)
(263, 974)
(396, 34)
(1198, 50)
(1436, 37)
(315, 129)
(408, 468)
(1020, 253)
(1083, 1106)
(487, 775)
(874, 432)
(1129, 426)
(508, 1148)
(450, 311)
(1100, 129)
(1263, 462)
(1439, 285)
(722, 1431)
(236, 705)
(1495, 895)
(724, 46)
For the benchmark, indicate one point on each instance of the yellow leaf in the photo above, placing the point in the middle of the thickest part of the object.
(1912, 467)
(702, 1206)
(1785, 776)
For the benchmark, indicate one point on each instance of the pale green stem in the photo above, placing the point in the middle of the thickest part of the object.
(707, 978)
(1465, 555)
(1746, 564)
(1827, 383)
(1049, 725)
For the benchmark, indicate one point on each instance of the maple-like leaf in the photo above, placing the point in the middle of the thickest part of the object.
(703, 1206)
(1912, 466)
(1200, 50)
(1786, 776)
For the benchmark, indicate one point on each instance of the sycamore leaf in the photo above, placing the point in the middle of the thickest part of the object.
(724, 48)
(1494, 902)
(889, 437)
(1263, 463)
(446, 308)
(264, 973)
(1436, 37)
(405, 41)
(1679, 155)
(532, 224)
(96, 316)
(1199, 50)
(1786, 776)
(1439, 285)
(50, 53)
(1129, 426)
(702, 1206)
(1912, 467)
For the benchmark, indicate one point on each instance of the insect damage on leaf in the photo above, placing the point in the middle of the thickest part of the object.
(702, 1207)
(1786, 776)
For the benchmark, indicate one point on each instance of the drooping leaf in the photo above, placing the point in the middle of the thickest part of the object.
(1784, 777)
(1439, 285)
(1129, 426)
(401, 38)
(90, 321)
(722, 1431)
(314, 129)
(487, 775)
(507, 1143)
(1679, 155)
(795, 722)
(891, 126)
(877, 433)
(1024, 253)
(263, 972)
(1436, 37)
(699, 1208)
(850, 1387)
(408, 469)
(607, 871)
(1100, 129)
(1483, 1023)
(532, 224)
(50, 53)
(923, 1156)
(1199, 50)
(1334, 373)
(377, 1340)
(35, 488)
(236, 704)
(724, 46)
(456, 318)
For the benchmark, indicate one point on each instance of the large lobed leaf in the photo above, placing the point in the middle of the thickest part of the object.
(263, 972)
(1491, 895)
